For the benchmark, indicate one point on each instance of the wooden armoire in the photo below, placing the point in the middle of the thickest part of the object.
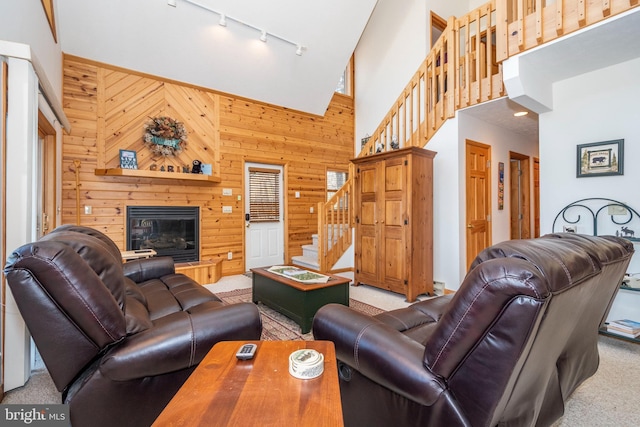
(393, 204)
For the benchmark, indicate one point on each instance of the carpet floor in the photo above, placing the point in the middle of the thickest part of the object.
(278, 327)
(605, 399)
(275, 327)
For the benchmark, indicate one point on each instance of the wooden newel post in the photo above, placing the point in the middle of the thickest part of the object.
(77, 165)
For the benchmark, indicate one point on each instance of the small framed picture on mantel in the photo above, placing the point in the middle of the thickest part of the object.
(600, 158)
(128, 159)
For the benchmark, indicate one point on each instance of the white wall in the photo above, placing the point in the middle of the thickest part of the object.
(22, 119)
(392, 47)
(450, 264)
(24, 33)
(447, 199)
(394, 44)
(501, 142)
(24, 21)
(597, 106)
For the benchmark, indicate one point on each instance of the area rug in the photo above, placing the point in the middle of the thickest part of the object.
(278, 327)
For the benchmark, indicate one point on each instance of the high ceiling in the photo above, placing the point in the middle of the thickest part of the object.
(186, 43)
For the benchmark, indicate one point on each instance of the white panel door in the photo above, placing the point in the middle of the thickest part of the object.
(264, 215)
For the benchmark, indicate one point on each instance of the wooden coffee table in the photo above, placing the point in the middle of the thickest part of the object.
(298, 301)
(224, 391)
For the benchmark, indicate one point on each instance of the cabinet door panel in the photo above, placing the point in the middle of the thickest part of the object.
(368, 180)
(366, 253)
(369, 256)
(367, 269)
(368, 213)
(393, 231)
(394, 213)
(394, 262)
(394, 175)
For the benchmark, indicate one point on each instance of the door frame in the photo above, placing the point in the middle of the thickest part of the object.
(3, 210)
(487, 201)
(285, 204)
(47, 176)
(536, 197)
(524, 201)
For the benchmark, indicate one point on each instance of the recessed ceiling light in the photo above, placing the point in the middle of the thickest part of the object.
(521, 113)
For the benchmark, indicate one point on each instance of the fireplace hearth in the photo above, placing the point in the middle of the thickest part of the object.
(169, 230)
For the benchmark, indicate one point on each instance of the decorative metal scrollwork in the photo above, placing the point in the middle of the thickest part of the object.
(593, 207)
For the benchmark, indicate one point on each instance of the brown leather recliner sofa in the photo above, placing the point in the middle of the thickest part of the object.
(118, 339)
(507, 349)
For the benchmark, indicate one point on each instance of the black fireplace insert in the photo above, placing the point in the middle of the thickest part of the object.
(169, 230)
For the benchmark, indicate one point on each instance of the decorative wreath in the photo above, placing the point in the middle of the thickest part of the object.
(165, 136)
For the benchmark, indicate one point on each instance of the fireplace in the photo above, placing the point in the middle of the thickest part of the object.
(169, 230)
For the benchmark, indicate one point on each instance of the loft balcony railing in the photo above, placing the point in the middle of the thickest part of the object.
(463, 68)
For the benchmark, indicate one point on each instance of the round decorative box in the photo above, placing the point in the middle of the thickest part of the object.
(306, 364)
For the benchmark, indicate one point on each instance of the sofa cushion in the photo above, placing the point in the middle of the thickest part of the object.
(136, 315)
(171, 293)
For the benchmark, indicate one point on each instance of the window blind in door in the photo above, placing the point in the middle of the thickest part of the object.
(264, 195)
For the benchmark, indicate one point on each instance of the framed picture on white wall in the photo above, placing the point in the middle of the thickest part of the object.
(600, 158)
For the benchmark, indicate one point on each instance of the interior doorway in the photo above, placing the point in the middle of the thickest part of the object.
(438, 25)
(478, 198)
(520, 195)
(47, 172)
(536, 197)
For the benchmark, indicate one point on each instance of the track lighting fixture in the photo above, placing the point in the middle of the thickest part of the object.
(224, 18)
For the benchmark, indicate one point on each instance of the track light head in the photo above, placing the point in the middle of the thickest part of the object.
(224, 18)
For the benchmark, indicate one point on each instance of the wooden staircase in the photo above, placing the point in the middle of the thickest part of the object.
(464, 68)
(309, 258)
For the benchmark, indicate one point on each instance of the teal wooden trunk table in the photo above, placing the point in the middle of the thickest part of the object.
(298, 301)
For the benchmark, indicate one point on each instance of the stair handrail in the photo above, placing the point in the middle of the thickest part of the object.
(335, 225)
(460, 70)
(464, 68)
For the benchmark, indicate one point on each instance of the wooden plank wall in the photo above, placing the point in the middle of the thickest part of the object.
(108, 108)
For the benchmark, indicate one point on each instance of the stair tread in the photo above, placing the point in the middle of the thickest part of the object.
(305, 261)
(304, 258)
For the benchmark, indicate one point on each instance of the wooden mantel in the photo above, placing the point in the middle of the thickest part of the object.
(137, 173)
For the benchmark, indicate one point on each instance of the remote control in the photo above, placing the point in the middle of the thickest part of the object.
(246, 352)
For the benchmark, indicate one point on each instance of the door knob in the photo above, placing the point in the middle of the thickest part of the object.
(469, 226)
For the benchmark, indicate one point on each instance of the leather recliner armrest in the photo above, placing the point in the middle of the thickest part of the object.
(378, 352)
(140, 270)
(180, 340)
